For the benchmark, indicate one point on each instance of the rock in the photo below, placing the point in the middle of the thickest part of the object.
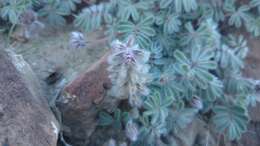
(89, 87)
(251, 137)
(252, 70)
(252, 67)
(25, 117)
(254, 112)
(195, 133)
(80, 100)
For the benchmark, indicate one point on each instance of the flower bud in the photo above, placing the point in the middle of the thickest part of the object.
(131, 130)
(110, 142)
(135, 101)
(123, 144)
(196, 103)
(134, 113)
(77, 40)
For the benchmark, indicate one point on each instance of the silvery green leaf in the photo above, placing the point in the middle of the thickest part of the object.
(172, 24)
(69, 5)
(180, 118)
(206, 35)
(186, 5)
(165, 3)
(255, 3)
(105, 119)
(90, 18)
(231, 120)
(129, 9)
(180, 57)
(108, 18)
(157, 107)
(54, 13)
(253, 26)
(238, 15)
(11, 10)
(142, 30)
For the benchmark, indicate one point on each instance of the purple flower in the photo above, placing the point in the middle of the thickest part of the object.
(128, 51)
(196, 103)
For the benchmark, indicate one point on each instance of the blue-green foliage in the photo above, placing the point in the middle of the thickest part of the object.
(55, 10)
(90, 18)
(11, 9)
(182, 44)
(116, 120)
(168, 13)
(142, 30)
(157, 108)
(230, 119)
(189, 57)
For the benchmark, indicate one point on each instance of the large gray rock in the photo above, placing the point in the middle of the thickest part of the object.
(25, 117)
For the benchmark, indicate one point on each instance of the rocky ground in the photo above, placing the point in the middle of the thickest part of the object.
(25, 116)
(47, 70)
(53, 65)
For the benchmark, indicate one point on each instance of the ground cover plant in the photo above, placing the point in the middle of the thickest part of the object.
(172, 61)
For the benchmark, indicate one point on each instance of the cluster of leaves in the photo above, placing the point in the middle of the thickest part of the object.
(53, 10)
(11, 10)
(125, 15)
(195, 69)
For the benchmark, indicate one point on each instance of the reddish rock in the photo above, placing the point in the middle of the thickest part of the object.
(89, 87)
(252, 66)
(251, 137)
(254, 113)
(252, 70)
(25, 118)
(80, 100)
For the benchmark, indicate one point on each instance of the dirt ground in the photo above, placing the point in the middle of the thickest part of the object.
(50, 53)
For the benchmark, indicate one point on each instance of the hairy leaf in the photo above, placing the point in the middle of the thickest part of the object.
(237, 16)
(157, 107)
(142, 31)
(90, 18)
(186, 5)
(230, 119)
(129, 9)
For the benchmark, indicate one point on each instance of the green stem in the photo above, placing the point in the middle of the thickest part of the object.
(9, 34)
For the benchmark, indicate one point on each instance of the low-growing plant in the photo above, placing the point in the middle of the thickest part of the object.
(194, 64)
(129, 71)
(53, 11)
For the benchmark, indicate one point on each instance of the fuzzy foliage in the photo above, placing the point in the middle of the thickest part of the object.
(195, 69)
(128, 70)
